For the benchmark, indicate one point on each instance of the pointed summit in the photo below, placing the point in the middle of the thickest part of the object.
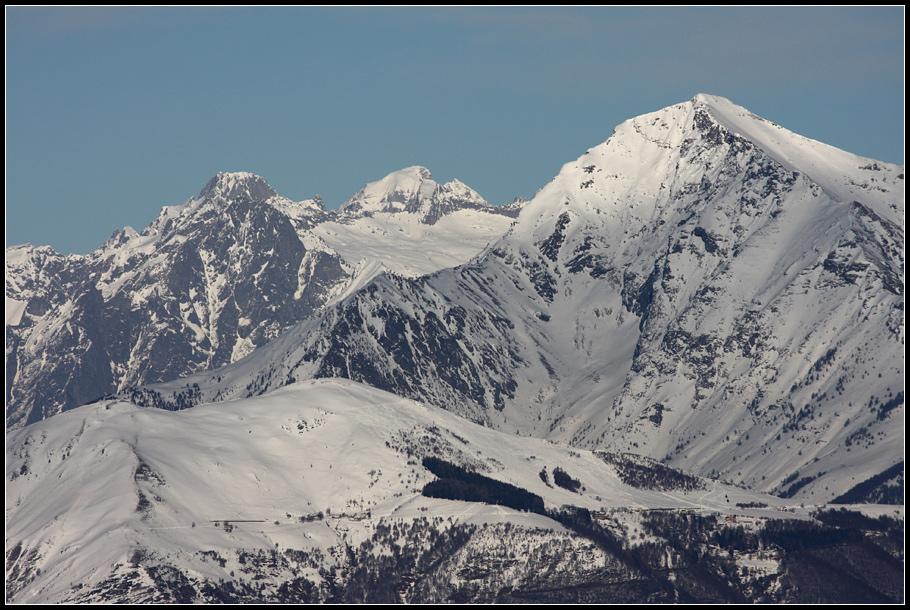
(706, 99)
(120, 237)
(234, 185)
(825, 165)
(659, 164)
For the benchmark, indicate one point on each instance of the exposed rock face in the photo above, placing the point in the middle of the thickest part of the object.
(204, 285)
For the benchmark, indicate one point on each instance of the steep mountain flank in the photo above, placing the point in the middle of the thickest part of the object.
(704, 288)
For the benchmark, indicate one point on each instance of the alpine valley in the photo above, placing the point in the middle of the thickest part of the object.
(646, 384)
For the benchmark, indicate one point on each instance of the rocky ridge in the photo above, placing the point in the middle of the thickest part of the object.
(203, 285)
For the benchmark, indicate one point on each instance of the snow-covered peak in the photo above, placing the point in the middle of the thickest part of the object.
(234, 185)
(652, 161)
(224, 188)
(120, 237)
(393, 193)
(25, 260)
(458, 190)
(19, 254)
(302, 214)
(843, 175)
(413, 190)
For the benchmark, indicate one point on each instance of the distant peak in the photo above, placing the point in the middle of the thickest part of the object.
(234, 185)
(120, 237)
(392, 193)
(413, 190)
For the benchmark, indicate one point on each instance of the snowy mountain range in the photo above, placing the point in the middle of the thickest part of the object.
(641, 385)
(210, 280)
(704, 288)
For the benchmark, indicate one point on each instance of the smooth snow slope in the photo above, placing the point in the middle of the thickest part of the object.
(89, 488)
(413, 225)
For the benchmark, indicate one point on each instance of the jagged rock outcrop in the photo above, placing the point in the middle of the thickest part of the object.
(205, 284)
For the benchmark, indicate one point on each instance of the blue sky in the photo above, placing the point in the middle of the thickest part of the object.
(112, 113)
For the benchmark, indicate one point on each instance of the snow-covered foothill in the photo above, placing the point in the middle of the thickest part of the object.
(110, 483)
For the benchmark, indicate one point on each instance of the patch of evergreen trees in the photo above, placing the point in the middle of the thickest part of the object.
(641, 473)
(874, 489)
(851, 519)
(562, 478)
(889, 405)
(456, 483)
